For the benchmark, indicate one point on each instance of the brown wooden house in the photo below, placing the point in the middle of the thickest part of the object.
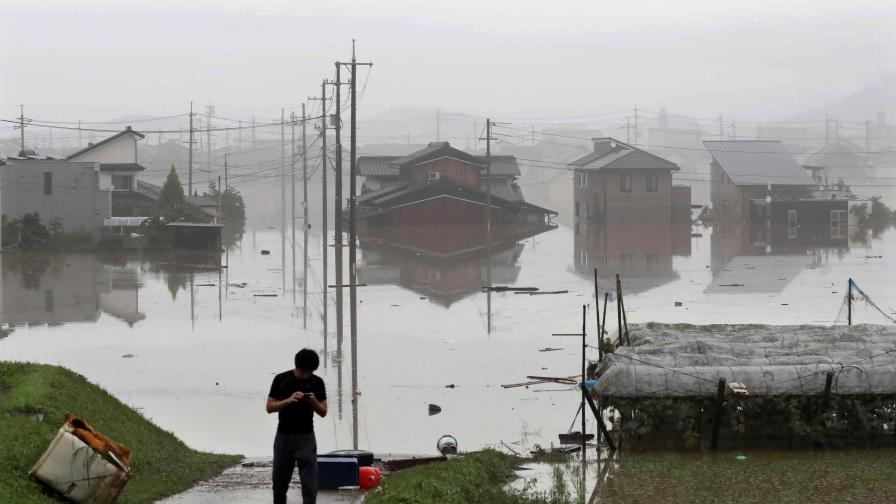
(440, 185)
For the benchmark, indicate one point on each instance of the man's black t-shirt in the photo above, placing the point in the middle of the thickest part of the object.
(298, 417)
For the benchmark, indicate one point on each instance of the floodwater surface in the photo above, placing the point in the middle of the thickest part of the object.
(194, 347)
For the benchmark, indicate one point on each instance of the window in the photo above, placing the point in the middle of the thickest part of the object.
(433, 176)
(122, 182)
(625, 183)
(838, 224)
(48, 183)
(583, 180)
(792, 225)
(653, 183)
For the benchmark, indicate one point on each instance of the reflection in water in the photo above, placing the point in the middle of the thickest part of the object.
(443, 263)
(637, 242)
(58, 288)
(753, 257)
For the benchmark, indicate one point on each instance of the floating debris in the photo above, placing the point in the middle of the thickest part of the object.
(265, 252)
(549, 349)
(128, 356)
(731, 285)
(434, 409)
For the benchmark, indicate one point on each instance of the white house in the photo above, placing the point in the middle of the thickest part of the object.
(117, 157)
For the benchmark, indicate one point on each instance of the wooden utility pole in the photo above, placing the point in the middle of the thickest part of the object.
(584, 377)
(337, 126)
(849, 302)
(21, 128)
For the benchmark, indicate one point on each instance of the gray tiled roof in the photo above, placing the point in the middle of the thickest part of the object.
(387, 166)
(153, 192)
(376, 166)
(623, 157)
(502, 188)
(434, 150)
(758, 162)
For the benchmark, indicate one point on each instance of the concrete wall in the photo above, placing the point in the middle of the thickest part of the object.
(75, 200)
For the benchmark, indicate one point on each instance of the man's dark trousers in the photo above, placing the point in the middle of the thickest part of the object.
(291, 450)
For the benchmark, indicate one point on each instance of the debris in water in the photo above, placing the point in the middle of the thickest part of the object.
(874, 257)
(741, 457)
(434, 409)
(128, 356)
(241, 285)
(541, 293)
(450, 385)
(206, 285)
(265, 252)
(265, 295)
(678, 303)
(549, 349)
(731, 285)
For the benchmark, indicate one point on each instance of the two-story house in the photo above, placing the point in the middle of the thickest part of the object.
(440, 185)
(117, 157)
(759, 184)
(626, 208)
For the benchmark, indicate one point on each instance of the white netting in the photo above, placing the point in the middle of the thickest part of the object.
(685, 360)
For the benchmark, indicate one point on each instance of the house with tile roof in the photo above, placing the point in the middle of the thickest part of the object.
(440, 185)
(117, 158)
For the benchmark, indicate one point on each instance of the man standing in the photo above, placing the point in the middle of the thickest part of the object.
(295, 396)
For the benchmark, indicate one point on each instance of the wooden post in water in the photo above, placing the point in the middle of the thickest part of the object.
(849, 302)
(600, 352)
(619, 309)
(600, 420)
(584, 312)
(717, 418)
(603, 328)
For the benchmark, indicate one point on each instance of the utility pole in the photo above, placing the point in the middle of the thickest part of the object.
(305, 225)
(21, 127)
(721, 128)
(283, 200)
(734, 130)
(488, 222)
(79, 133)
(338, 199)
(323, 160)
(226, 185)
(208, 139)
(190, 158)
(292, 185)
(352, 244)
(628, 132)
(636, 142)
(218, 214)
(438, 124)
(827, 129)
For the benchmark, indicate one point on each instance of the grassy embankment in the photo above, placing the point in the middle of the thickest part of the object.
(162, 464)
(475, 477)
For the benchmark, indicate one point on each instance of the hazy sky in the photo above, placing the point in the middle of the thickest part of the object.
(499, 57)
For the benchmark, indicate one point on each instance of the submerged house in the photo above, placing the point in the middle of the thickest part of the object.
(759, 182)
(440, 185)
(629, 217)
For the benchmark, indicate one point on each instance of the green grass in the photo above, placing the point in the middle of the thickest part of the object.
(765, 476)
(479, 477)
(162, 464)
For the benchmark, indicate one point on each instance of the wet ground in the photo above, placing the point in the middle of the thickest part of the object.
(194, 347)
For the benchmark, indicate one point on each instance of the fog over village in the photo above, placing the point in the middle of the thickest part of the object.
(529, 252)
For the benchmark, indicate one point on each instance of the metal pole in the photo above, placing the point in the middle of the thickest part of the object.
(488, 219)
(849, 302)
(600, 353)
(323, 160)
(584, 312)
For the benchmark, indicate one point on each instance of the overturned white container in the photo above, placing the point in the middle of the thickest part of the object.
(80, 473)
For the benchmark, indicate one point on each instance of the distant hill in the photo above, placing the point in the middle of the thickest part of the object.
(863, 105)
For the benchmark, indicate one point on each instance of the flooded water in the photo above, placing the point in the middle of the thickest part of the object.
(194, 347)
